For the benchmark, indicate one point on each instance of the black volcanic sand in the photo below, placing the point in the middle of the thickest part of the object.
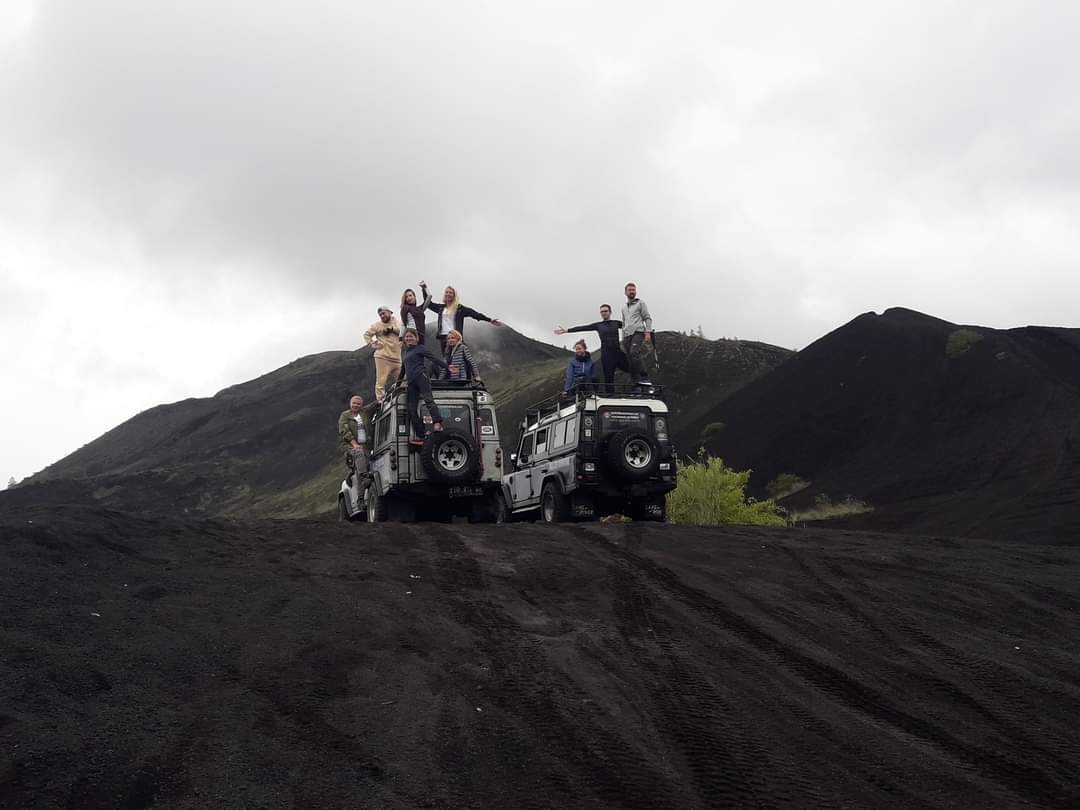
(310, 664)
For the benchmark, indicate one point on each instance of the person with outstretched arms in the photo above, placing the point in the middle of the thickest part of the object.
(611, 353)
(637, 330)
(452, 314)
(414, 372)
(412, 314)
(384, 336)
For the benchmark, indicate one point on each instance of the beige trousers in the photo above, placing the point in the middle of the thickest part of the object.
(384, 367)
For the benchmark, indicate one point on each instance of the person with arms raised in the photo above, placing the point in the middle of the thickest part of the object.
(452, 314)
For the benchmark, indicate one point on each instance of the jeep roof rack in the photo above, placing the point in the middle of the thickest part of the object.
(576, 397)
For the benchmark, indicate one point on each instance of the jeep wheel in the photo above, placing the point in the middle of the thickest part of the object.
(376, 506)
(633, 455)
(450, 457)
(553, 506)
(342, 510)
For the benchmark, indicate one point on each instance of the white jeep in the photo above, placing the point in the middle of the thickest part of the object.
(587, 455)
(457, 471)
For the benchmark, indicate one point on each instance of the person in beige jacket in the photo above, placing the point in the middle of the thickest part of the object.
(385, 337)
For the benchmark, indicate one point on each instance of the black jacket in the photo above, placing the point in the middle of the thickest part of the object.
(460, 315)
(414, 366)
(608, 331)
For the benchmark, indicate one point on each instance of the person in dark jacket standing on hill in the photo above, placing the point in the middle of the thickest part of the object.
(452, 314)
(414, 371)
(460, 356)
(581, 370)
(637, 329)
(611, 353)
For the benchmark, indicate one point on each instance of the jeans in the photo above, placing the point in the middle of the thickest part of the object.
(632, 347)
(420, 386)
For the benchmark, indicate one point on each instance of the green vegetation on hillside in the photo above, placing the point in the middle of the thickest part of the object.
(711, 494)
(960, 342)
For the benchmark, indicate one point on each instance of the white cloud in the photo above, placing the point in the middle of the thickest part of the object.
(195, 193)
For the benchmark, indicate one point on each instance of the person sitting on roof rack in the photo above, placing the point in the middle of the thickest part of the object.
(581, 372)
(459, 356)
(452, 314)
(612, 356)
(414, 371)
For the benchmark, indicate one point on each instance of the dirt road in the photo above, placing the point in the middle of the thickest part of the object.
(306, 664)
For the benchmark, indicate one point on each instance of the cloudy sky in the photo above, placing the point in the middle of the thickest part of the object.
(195, 193)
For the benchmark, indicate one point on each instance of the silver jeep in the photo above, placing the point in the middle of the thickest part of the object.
(587, 455)
(456, 472)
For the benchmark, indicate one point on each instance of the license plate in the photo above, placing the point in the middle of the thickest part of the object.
(465, 492)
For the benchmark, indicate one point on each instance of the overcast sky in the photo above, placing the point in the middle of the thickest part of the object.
(195, 193)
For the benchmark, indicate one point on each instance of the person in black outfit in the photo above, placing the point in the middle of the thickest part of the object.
(612, 356)
(414, 371)
(452, 314)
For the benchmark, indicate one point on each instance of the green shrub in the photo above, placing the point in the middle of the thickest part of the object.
(960, 342)
(785, 484)
(710, 494)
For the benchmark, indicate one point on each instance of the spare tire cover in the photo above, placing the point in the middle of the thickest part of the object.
(450, 456)
(632, 455)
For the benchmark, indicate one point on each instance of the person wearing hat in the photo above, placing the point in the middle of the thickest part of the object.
(384, 336)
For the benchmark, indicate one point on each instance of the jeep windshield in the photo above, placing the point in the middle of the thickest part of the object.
(456, 416)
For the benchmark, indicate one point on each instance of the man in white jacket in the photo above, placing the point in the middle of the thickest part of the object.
(637, 330)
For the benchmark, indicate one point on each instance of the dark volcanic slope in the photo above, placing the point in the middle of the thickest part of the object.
(942, 428)
(299, 664)
(268, 446)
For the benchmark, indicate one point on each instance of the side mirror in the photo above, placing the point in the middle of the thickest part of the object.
(513, 456)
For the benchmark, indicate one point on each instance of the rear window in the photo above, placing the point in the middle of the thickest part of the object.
(613, 420)
(455, 416)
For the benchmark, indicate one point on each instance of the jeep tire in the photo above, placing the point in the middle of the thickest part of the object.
(450, 457)
(632, 455)
(376, 505)
(554, 507)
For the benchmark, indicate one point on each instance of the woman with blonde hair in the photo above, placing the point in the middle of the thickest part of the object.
(459, 358)
(452, 314)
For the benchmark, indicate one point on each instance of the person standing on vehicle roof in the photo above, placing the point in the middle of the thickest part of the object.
(414, 371)
(353, 432)
(637, 330)
(452, 314)
(458, 355)
(611, 353)
(385, 337)
(581, 371)
(412, 314)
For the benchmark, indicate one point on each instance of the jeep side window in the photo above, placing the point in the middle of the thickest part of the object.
(382, 430)
(526, 448)
(541, 441)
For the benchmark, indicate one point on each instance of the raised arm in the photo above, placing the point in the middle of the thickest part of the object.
(589, 327)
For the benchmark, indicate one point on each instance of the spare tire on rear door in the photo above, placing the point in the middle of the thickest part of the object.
(451, 457)
(632, 454)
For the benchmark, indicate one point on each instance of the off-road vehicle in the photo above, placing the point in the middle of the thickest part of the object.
(587, 454)
(457, 471)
